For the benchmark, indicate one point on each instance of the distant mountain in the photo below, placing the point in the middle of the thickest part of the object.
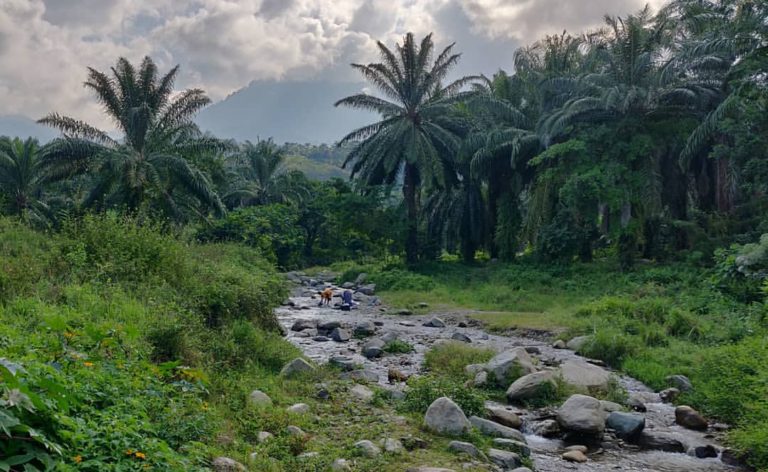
(14, 126)
(289, 111)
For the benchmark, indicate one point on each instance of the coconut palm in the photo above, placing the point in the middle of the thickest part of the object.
(418, 128)
(22, 178)
(150, 166)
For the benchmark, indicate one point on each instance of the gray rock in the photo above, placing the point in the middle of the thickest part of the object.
(559, 344)
(393, 446)
(504, 459)
(347, 285)
(362, 393)
(404, 312)
(689, 418)
(575, 456)
(367, 448)
(473, 369)
(389, 337)
(578, 342)
(341, 465)
(584, 375)
(636, 403)
(259, 398)
(503, 416)
(704, 452)
(434, 322)
(581, 414)
(295, 431)
(445, 417)
(328, 325)
(361, 278)
(547, 428)
(321, 339)
(373, 348)
(667, 442)
(301, 325)
(669, 395)
(531, 386)
(461, 337)
(298, 408)
(481, 379)
(264, 436)
(508, 366)
(295, 367)
(491, 428)
(429, 469)
(680, 382)
(626, 425)
(343, 362)
(225, 464)
(369, 289)
(366, 375)
(364, 328)
(522, 469)
(577, 447)
(610, 407)
(511, 445)
(340, 335)
(466, 448)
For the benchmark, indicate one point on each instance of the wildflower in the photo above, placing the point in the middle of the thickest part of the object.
(69, 335)
(88, 364)
(140, 455)
(78, 459)
(129, 452)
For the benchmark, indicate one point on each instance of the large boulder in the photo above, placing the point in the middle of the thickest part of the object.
(503, 416)
(680, 382)
(584, 375)
(626, 425)
(530, 386)
(340, 335)
(504, 459)
(577, 343)
(434, 322)
(369, 289)
(301, 325)
(364, 328)
(295, 367)
(689, 418)
(259, 399)
(343, 362)
(667, 442)
(510, 365)
(373, 348)
(446, 417)
(491, 428)
(582, 414)
(225, 464)
(466, 448)
(512, 445)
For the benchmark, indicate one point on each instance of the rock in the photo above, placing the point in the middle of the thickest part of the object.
(225, 464)
(481, 379)
(389, 337)
(341, 465)
(704, 452)
(494, 429)
(581, 414)
(362, 393)
(462, 324)
(666, 442)
(328, 325)
(578, 342)
(508, 366)
(412, 443)
(511, 445)
(584, 375)
(347, 285)
(404, 312)
(394, 376)
(321, 339)
(296, 366)
(308, 455)
(367, 448)
(473, 369)
(361, 278)
(393, 446)
(340, 335)
(264, 436)
(577, 447)
(547, 428)
(574, 456)
(301, 325)
(732, 457)
(360, 374)
(669, 395)
(626, 425)
(504, 459)
(680, 382)
(423, 305)
(299, 409)
(429, 469)
(610, 407)
(532, 385)
(252, 457)
(559, 344)
(295, 431)
(343, 362)
(503, 416)
(364, 328)
(259, 398)
(522, 469)
(635, 402)
(461, 337)
(378, 323)
(445, 417)
(373, 348)
(689, 418)
(369, 289)
(435, 323)
(465, 448)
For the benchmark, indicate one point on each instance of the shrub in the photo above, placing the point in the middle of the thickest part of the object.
(398, 347)
(426, 389)
(450, 358)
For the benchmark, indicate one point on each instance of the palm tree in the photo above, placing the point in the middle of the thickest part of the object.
(22, 178)
(418, 127)
(150, 166)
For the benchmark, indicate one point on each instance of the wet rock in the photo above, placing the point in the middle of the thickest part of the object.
(301, 325)
(367, 448)
(465, 448)
(373, 348)
(732, 458)
(461, 337)
(321, 339)
(404, 312)
(264, 436)
(666, 442)
(581, 414)
(610, 407)
(434, 323)
(340, 335)
(704, 452)
(508, 366)
(578, 342)
(328, 325)
(378, 323)
(491, 428)
(259, 399)
(341, 465)
(299, 409)
(577, 447)
(511, 445)
(689, 418)
(393, 446)
(504, 459)
(225, 464)
(295, 431)
(530, 386)
(669, 395)
(364, 328)
(547, 428)
(559, 344)
(369, 289)
(295, 367)
(362, 393)
(503, 416)
(626, 425)
(584, 375)
(445, 417)
(574, 456)
(680, 382)
(635, 402)
(343, 362)
(360, 374)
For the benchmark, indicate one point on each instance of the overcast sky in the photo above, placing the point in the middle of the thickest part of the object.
(222, 45)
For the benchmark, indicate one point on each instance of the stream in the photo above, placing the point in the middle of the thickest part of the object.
(610, 455)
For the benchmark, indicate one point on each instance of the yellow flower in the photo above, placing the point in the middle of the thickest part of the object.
(129, 452)
(69, 334)
(88, 364)
(140, 455)
(78, 459)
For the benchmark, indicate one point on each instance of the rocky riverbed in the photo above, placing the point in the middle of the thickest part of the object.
(354, 340)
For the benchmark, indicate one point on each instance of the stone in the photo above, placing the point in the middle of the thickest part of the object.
(404, 312)
(328, 325)
(295, 367)
(429, 469)
(669, 395)
(341, 465)
(347, 285)
(473, 369)
(680, 382)
(301, 325)
(299, 409)
(362, 393)
(361, 278)
(531, 386)
(610, 407)
(373, 348)
(626, 425)
(732, 457)
(503, 416)
(321, 339)
(490, 428)
(308, 455)
(577, 447)
(667, 442)
(481, 379)
(704, 452)
(508, 366)
(574, 456)
(547, 429)
(578, 342)
(522, 469)
(366, 375)
(635, 402)
(225, 464)
(412, 443)
(340, 335)
(378, 323)
(389, 337)
(559, 344)
(504, 459)
(461, 337)
(252, 457)
(581, 414)
(584, 375)
(393, 446)
(343, 362)
(689, 418)
(435, 323)
(264, 436)
(423, 305)
(364, 328)
(445, 417)
(465, 448)
(295, 431)
(369, 289)
(511, 445)
(367, 448)
(259, 399)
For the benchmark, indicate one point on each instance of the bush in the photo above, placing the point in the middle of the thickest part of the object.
(398, 347)
(741, 271)
(450, 358)
(426, 389)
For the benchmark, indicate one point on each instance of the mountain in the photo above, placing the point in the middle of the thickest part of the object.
(24, 127)
(288, 111)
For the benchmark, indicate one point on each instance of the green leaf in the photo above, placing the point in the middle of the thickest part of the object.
(8, 421)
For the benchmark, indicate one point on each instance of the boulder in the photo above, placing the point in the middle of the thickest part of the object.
(225, 464)
(581, 414)
(295, 431)
(610, 407)
(361, 278)
(393, 446)
(389, 337)
(295, 367)
(461, 337)
(669, 395)
(473, 369)
(366, 375)
(577, 447)
(404, 312)
(445, 417)
(559, 344)
(667, 442)
(703, 452)
(584, 375)
(689, 418)
(680, 382)
(341, 465)
(530, 386)
(434, 323)
(547, 428)
(362, 393)
(301, 325)
(503, 416)
(636, 402)
(373, 348)
(491, 428)
(364, 328)
(465, 448)
(321, 339)
(343, 362)
(328, 325)
(626, 425)
(504, 459)
(522, 469)
(299, 409)
(369, 289)
(511, 445)
(264, 436)
(340, 335)
(367, 448)
(578, 342)
(508, 366)
(259, 398)
(481, 379)
(574, 456)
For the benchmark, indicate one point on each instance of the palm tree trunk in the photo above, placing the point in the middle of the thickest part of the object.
(494, 193)
(410, 188)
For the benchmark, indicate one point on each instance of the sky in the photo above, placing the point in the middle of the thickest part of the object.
(223, 45)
